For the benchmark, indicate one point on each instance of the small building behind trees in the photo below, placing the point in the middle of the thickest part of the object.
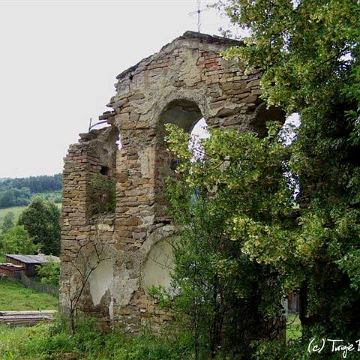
(27, 263)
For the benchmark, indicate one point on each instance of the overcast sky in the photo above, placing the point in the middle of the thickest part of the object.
(58, 66)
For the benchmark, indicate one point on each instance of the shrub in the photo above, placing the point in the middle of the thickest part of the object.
(49, 272)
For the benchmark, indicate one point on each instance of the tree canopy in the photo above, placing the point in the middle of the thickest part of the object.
(42, 221)
(236, 195)
(8, 222)
(19, 191)
(309, 52)
(17, 241)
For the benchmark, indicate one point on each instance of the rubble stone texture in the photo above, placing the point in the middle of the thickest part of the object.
(106, 268)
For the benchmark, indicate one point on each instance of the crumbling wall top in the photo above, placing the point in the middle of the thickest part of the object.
(197, 37)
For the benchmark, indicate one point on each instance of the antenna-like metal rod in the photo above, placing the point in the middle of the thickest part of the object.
(199, 17)
(198, 12)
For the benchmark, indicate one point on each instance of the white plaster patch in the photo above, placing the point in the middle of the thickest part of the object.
(105, 227)
(100, 280)
(158, 267)
(124, 289)
(111, 309)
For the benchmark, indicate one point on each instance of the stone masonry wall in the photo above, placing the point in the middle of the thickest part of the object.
(186, 80)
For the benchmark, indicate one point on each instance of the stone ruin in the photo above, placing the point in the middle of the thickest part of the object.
(109, 260)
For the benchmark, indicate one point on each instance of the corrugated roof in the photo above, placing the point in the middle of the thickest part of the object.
(33, 259)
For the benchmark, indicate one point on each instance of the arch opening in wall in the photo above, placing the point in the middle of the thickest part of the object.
(199, 132)
(103, 181)
(185, 114)
(264, 115)
(288, 132)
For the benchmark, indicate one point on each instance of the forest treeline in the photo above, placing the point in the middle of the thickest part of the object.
(19, 191)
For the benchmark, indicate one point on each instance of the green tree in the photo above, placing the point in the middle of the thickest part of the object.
(237, 193)
(309, 52)
(17, 241)
(8, 222)
(49, 272)
(7, 198)
(42, 221)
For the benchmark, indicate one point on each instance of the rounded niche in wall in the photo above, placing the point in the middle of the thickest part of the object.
(158, 266)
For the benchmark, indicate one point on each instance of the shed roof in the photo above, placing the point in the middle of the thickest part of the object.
(33, 259)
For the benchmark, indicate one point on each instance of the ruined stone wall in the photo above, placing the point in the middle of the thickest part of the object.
(187, 80)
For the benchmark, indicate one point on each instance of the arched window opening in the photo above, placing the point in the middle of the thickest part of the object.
(288, 132)
(184, 114)
(264, 115)
(198, 133)
(103, 181)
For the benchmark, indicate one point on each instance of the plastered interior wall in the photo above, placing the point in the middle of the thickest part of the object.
(158, 266)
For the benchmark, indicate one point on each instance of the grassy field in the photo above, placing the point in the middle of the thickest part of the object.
(50, 342)
(293, 328)
(14, 296)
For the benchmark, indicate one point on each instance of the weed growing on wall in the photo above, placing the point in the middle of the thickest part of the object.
(103, 194)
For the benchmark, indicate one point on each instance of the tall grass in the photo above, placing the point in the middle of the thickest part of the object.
(293, 326)
(55, 341)
(46, 342)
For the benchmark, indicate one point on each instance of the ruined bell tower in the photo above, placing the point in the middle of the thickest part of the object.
(111, 254)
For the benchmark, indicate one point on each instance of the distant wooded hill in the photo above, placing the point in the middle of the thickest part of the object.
(19, 191)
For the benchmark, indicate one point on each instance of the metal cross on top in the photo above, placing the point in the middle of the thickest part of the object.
(198, 12)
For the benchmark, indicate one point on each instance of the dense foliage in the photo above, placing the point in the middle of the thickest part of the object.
(8, 222)
(245, 221)
(16, 240)
(49, 273)
(41, 219)
(18, 191)
(103, 194)
(236, 195)
(309, 51)
(36, 184)
(14, 197)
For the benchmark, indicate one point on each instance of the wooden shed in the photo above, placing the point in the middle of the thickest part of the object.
(29, 262)
(9, 269)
